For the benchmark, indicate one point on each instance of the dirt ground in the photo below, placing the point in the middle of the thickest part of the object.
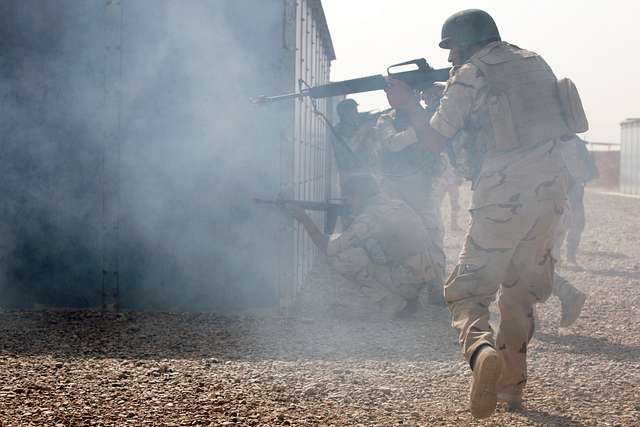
(301, 368)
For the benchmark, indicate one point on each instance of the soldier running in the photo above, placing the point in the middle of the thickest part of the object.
(501, 108)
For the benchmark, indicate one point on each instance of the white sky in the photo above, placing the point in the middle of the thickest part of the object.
(595, 43)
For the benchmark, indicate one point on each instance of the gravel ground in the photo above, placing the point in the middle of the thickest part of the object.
(62, 368)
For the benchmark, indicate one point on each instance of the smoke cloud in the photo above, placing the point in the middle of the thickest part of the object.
(129, 145)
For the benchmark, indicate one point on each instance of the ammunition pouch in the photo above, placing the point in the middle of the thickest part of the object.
(466, 153)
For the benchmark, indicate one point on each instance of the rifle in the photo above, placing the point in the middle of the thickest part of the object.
(333, 210)
(372, 116)
(420, 78)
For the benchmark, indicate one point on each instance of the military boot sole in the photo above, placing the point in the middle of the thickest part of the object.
(486, 372)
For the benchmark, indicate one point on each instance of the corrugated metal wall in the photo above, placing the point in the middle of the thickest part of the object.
(630, 156)
(311, 158)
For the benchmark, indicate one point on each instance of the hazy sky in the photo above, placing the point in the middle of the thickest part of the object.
(595, 43)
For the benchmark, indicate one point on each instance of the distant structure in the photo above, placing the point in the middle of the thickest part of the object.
(630, 156)
(607, 158)
(131, 152)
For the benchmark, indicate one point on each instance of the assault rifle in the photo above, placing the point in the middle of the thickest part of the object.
(421, 78)
(372, 116)
(333, 210)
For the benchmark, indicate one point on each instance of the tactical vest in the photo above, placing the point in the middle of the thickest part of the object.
(412, 160)
(523, 103)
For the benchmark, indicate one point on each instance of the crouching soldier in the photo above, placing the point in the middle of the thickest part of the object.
(383, 252)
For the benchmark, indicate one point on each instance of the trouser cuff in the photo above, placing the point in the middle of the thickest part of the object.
(470, 351)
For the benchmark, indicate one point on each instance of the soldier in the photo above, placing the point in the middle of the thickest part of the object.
(582, 169)
(355, 130)
(407, 170)
(383, 251)
(503, 118)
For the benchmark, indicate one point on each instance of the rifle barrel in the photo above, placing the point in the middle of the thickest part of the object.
(267, 99)
(304, 204)
(417, 79)
(345, 87)
(267, 202)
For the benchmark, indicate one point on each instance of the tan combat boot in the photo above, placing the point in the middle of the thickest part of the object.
(571, 305)
(486, 371)
(571, 300)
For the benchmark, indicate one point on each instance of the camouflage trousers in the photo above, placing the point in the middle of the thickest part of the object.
(382, 289)
(507, 249)
(415, 191)
(572, 224)
(441, 189)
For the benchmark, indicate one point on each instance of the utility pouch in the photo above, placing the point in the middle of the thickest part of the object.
(501, 117)
(572, 106)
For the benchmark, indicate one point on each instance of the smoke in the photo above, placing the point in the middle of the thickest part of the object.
(129, 144)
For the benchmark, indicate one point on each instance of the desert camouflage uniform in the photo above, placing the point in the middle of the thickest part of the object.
(581, 170)
(407, 170)
(359, 138)
(448, 183)
(517, 201)
(383, 253)
(355, 152)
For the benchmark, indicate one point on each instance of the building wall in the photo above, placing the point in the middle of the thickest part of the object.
(630, 156)
(132, 152)
(53, 130)
(309, 180)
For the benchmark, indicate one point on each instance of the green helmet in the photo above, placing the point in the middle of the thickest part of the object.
(468, 27)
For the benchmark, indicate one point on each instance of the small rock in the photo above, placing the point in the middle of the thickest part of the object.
(385, 390)
(310, 390)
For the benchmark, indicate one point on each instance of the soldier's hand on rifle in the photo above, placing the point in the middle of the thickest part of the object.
(400, 95)
(433, 94)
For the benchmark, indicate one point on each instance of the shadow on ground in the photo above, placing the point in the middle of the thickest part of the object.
(592, 346)
(546, 419)
(606, 272)
(605, 254)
